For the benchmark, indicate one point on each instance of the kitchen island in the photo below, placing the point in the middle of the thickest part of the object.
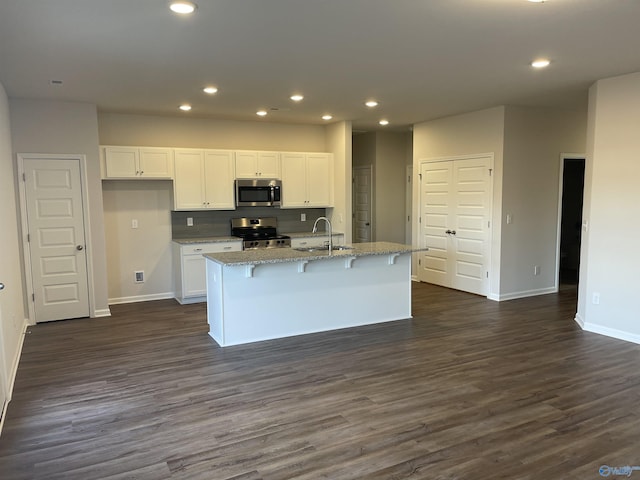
(256, 295)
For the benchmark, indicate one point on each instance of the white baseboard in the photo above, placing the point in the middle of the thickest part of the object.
(141, 298)
(579, 320)
(190, 300)
(414, 278)
(104, 312)
(609, 332)
(523, 294)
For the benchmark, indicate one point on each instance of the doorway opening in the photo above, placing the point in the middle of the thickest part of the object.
(571, 203)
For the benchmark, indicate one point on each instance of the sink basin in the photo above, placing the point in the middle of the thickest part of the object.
(324, 248)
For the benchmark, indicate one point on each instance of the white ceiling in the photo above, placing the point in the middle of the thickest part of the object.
(421, 59)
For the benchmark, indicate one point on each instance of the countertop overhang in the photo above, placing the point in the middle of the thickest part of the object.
(282, 255)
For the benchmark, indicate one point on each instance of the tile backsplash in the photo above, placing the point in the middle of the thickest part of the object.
(216, 223)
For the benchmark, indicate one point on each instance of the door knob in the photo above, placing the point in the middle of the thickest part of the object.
(453, 232)
(1, 286)
(79, 247)
(366, 224)
(448, 232)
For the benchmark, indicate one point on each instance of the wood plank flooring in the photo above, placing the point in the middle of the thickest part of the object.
(467, 389)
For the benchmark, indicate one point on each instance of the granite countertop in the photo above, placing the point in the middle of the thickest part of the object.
(282, 255)
(311, 234)
(189, 241)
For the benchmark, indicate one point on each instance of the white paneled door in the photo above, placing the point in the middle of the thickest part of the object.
(362, 201)
(455, 213)
(57, 250)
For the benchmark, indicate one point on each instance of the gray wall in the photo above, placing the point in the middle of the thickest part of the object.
(39, 126)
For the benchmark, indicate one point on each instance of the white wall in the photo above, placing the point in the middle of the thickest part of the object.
(188, 132)
(40, 126)
(387, 153)
(609, 260)
(146, 248)
(467, 134)
(390, 186)
(12, 311)
(338, 141)
(534, 139)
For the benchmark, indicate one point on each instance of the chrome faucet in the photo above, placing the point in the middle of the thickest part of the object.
(315, 229)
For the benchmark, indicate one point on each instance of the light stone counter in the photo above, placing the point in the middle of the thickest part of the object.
(192, 241)
(281, 255)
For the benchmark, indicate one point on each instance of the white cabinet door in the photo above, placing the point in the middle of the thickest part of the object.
(219, 177)
(294, 180)
(250, 164)
(156, 162)
(269, 164)
(190, 268)
(121, 162)
(188, 186)
(138, 163)
(319, 180)
(306, 180)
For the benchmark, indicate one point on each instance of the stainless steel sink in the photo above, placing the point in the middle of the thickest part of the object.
(324, 248)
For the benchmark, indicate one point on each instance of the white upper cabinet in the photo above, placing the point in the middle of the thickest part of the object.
(138, 163)
(251, 164)
(306, 180)
(204, 180)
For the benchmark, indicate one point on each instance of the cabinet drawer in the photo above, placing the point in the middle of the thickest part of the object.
(200, 248)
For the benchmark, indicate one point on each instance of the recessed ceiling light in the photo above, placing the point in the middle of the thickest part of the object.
(296, 97)
(185, 107)
(57, 83)
(262, 113)
(384, 122)
(327, 117)
(537, 1)
(541, 63)
(210, 90)
(182, 7)
(371, 103)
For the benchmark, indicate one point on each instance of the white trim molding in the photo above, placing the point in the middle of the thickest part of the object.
(522, 294)
(609, 332)
(139, 298)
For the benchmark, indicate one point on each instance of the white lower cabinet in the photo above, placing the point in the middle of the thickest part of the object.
(190, 268)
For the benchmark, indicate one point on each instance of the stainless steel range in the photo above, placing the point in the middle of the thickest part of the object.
(259, 233)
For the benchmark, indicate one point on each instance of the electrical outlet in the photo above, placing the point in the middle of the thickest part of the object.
(509, 219)
(189, 221)
(303, 217)
(134, 223)
(139, 276)
(596, 298)
(536, 270)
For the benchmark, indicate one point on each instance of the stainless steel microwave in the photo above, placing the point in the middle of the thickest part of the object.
(258, 193)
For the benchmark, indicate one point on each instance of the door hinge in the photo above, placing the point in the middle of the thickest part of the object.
(33, 297)
(420, 175)
(28, 238)
(24, 177)
(419, 219)
(487, 274)
(490, 171)
(408, 178)
(419, 261)
(489, 224)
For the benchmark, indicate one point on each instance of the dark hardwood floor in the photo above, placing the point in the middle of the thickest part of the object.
(467, 389)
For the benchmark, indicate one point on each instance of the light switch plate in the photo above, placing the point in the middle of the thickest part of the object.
(189, 221)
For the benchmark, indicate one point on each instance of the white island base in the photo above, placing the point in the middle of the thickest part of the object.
(254, 302)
